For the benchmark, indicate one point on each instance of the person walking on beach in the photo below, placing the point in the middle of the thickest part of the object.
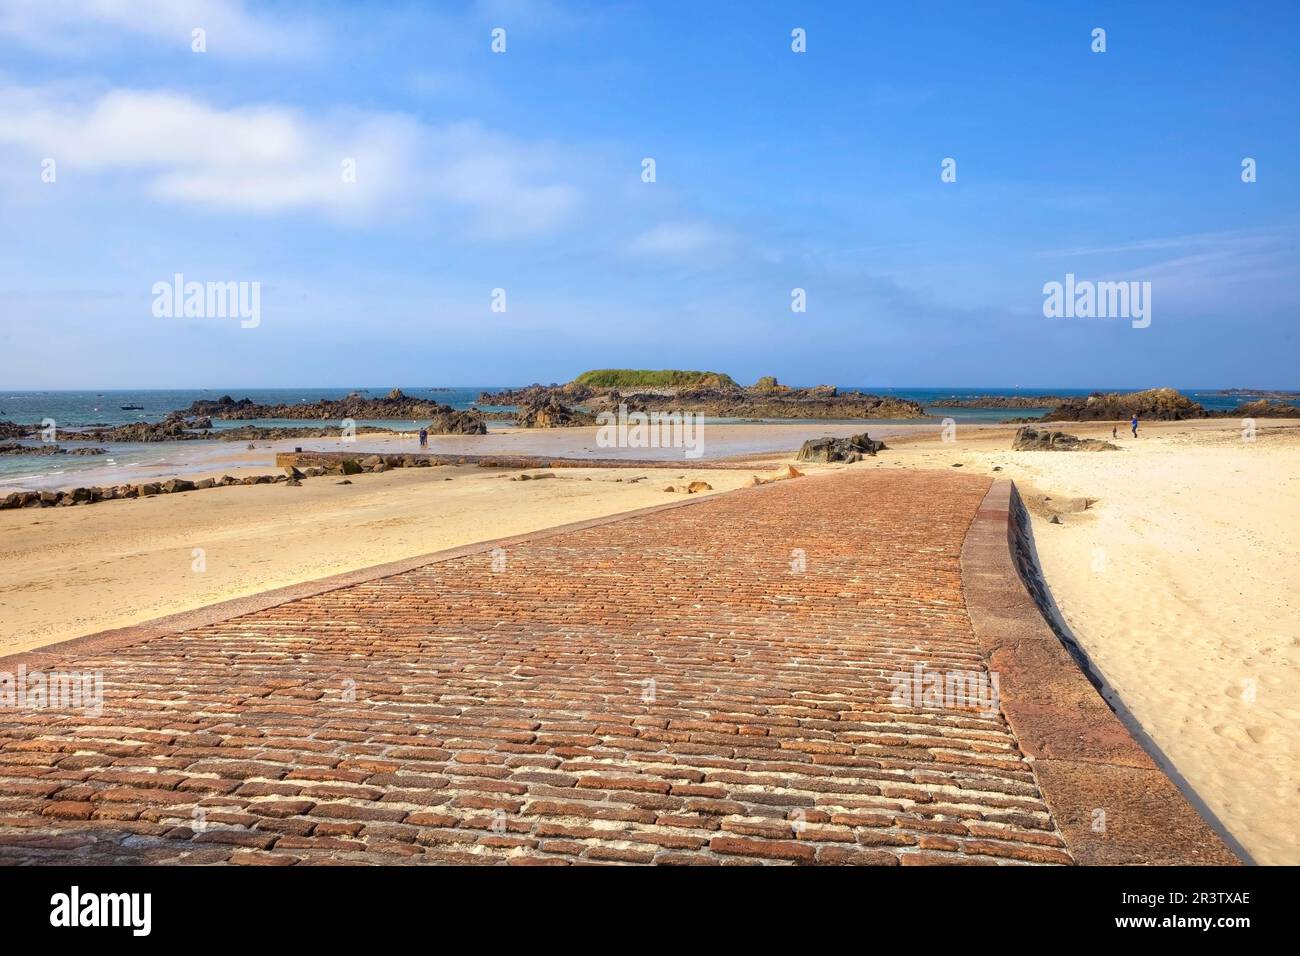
(1134, 424)
(424, 438)
(1114, 431)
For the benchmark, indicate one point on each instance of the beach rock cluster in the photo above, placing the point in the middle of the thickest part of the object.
(279, 433)
(538, 393)
(14, 448)
(1154, 404)
(330, 464)
(550, 412)
(851, 449)
(175, 429)
(694, 488)
(292, 477)
(169, 429)
(1029, 438)
(375, 463)
(443, 419)
(449, 421)
(710, 394)
(79, 496)
(223, 407)
(1158, 404)
(199, 423)
(1263, 408)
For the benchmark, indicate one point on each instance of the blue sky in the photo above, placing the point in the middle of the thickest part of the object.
(522, 171)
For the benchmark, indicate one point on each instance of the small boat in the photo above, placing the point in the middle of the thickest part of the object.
(132, 408)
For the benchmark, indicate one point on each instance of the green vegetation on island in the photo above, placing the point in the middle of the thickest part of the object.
(649, 378)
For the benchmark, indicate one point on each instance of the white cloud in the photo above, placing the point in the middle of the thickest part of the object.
(271, 158)
(77, 26)
(499, 177)
(681, 240)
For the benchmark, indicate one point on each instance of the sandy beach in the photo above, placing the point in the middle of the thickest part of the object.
(1176, 566)
(1173, 563)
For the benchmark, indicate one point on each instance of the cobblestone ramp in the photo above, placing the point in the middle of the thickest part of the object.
(667, 688)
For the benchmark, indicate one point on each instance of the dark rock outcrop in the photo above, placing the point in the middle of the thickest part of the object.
(550, 412)
(170, 429)
(1029, 438)
(223, 407)
(1158, 404)
(449, 421)
(279, 433)
(396, 406)
(537, 392)
(1261, 408)
(853, 448)
(767, 398)
(15, 448)
(14, 430)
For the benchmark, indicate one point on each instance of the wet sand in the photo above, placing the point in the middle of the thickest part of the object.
(202, 458)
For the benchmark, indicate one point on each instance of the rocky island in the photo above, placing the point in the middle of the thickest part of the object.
(1155, 404)
(1281, 393)
(705, 393)
(397, 406)
(15, 448)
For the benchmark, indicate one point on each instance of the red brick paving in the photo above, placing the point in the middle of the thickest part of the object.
(660, 689)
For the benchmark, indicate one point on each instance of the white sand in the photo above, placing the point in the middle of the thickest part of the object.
(1181, 580)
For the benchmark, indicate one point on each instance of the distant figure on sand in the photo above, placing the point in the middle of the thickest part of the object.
(1114, 431)
(424, 437)
(1134, 424)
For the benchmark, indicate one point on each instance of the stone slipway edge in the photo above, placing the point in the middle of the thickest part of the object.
(1111, 802)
